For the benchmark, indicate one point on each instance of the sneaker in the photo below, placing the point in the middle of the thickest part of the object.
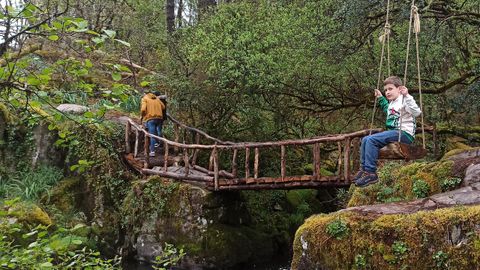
(358, 175)
(152, 154)
(367, 179)
(157, 145)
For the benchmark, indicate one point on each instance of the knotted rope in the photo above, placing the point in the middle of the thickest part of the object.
(384, 37)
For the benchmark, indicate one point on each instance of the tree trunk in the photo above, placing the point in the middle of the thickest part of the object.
(170, 10)
(179, 14)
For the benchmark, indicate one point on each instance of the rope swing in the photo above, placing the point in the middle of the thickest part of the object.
(413, 26)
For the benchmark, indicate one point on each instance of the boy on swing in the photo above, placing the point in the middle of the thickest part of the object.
(397, 103)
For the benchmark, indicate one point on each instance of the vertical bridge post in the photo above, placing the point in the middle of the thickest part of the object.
(247, 164)
(215, 166)
(346, 163)
(146, 144)
(128, 129)
(255, 165)
(316, 161)
(234, 163)
(165, 157)
(282, 162)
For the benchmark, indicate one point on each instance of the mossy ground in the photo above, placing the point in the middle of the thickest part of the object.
(398, 182)
(441, 239)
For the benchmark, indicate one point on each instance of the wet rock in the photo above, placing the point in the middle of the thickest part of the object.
(45, 152)
(72, 108)
(472, 175)
(464, 154)
(212, 227)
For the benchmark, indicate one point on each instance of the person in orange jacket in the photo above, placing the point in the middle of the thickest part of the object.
(152, 113)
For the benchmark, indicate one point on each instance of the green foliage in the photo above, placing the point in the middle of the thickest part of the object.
(420, 189)
(26, 245)
(170, 257)
(385, 194)
(337, 229)
(131, 104)
(441, 260)
(29, 184)
(342, 197)
(400, 250)
(82, 165)
(153, 202)
(450, 183)
(360, 262)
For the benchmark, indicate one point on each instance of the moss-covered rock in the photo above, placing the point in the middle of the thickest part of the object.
(399, 182)
(26, 212)
(444, 239)
(67, 194)
(218, 230)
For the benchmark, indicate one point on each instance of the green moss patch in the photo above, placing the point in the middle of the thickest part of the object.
(26, 212)
(398, 183)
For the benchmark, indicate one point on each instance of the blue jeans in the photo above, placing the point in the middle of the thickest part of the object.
(371, 145)
(154, 127)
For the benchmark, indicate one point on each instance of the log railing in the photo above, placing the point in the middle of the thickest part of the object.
(217, 177)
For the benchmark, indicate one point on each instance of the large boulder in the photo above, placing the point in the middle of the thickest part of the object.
(374, 238)
(472, 176)
(439, 231)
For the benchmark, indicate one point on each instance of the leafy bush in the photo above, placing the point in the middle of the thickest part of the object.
(131, 104)
(441, 260)
(338, 229)
(420, 189)
(170, 257)
(450, 183)
(399, 249)
(360, 262)
(42, 247)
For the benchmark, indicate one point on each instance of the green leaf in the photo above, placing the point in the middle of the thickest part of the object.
(57, 24)
(78, 226)
(116, 76)
(98, 40)
(110, 33)
(144, 83)
(46, 264)
(88, 63)
(35, 104)
(77, 242)
(89, 114)
(123, 42)
(91, 32)
(81, 24)
(53, 37)
(33, 81)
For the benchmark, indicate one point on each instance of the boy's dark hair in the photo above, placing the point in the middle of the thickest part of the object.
(393, 80)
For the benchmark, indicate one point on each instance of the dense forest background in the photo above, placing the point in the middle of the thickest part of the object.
(239, 70)
(244, 70)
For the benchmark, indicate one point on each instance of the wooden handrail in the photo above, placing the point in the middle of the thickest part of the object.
(217, 179)
(243, 145)
(197, 131)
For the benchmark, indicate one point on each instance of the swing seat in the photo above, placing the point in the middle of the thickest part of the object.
(403, 151)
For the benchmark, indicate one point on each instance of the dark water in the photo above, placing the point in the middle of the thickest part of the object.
(134, 265)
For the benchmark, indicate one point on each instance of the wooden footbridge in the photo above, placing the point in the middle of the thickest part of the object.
(201, 164)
